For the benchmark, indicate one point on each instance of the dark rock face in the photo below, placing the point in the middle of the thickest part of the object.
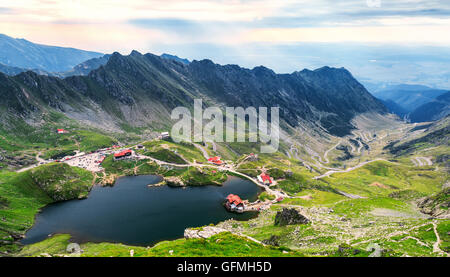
(290, 217)
(345, 250)
(436, 205)
(273, 240)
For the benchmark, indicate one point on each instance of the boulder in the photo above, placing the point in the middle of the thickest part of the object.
(290, 217)
(273, 240)
(288, 173)
(73, 248)
(436, 205)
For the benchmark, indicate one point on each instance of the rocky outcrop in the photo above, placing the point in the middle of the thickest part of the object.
(273, 240)
(204, 232)
(437, 205)
(174, 181)
(290, 217)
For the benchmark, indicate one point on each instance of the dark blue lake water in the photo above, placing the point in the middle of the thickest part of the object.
(132, 213)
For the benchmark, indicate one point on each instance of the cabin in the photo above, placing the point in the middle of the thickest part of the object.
(215, 160)
(234, 204)
(164, 135)
(265, 179)
(252, 157)
(62, 131)
(122, 154)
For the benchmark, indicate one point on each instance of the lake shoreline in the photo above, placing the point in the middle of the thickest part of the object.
(28, 239)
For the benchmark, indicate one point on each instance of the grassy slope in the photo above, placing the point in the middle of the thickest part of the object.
(223, 245)
(27, 192)
(24, 140)
(351, 221)
(392, 177)
(186, 150)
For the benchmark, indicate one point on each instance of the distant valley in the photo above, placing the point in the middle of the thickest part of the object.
(416, 103)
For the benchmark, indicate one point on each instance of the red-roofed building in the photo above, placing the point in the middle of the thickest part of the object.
(123, 154)
(265, 179)
(61, 131)
(234, 203)
(215, 160)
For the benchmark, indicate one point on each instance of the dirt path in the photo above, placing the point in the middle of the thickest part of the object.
(421, 161)
(352, 146)
(348, 169)
(295, 154)
(436, 247)
(427, 160)
(351, 196)
(39, 161)
(288, 153)
(326, 152)
(38, 158)
(203, 150)
(393, 234)
(214, 146)
(360, 146)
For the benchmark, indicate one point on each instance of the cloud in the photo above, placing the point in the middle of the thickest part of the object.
(203, 28)
(169, 24)
(5, 10)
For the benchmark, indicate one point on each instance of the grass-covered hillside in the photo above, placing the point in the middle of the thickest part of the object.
(23, 194)
(220, 245)
(21, 142)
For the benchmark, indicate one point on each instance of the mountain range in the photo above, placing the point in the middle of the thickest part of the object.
(434, 110)
(21, 53)
(141, 90)
(411, 101)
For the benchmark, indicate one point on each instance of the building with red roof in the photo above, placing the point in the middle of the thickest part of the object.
(61, 131)
(234, 203)
(233, 198)
(215, 160)
(265, 179)
(123, 154)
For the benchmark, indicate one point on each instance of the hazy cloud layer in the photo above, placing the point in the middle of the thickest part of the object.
(284, 34)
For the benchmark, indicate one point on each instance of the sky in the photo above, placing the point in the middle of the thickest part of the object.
(379, 41)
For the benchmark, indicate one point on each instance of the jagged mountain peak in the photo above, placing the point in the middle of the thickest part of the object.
(135, 53)
(175, 58)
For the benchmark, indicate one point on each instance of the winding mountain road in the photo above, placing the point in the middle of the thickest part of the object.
(39, 162)
(326, 152)
(421, 161)
(203, 150)
(348, 169)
